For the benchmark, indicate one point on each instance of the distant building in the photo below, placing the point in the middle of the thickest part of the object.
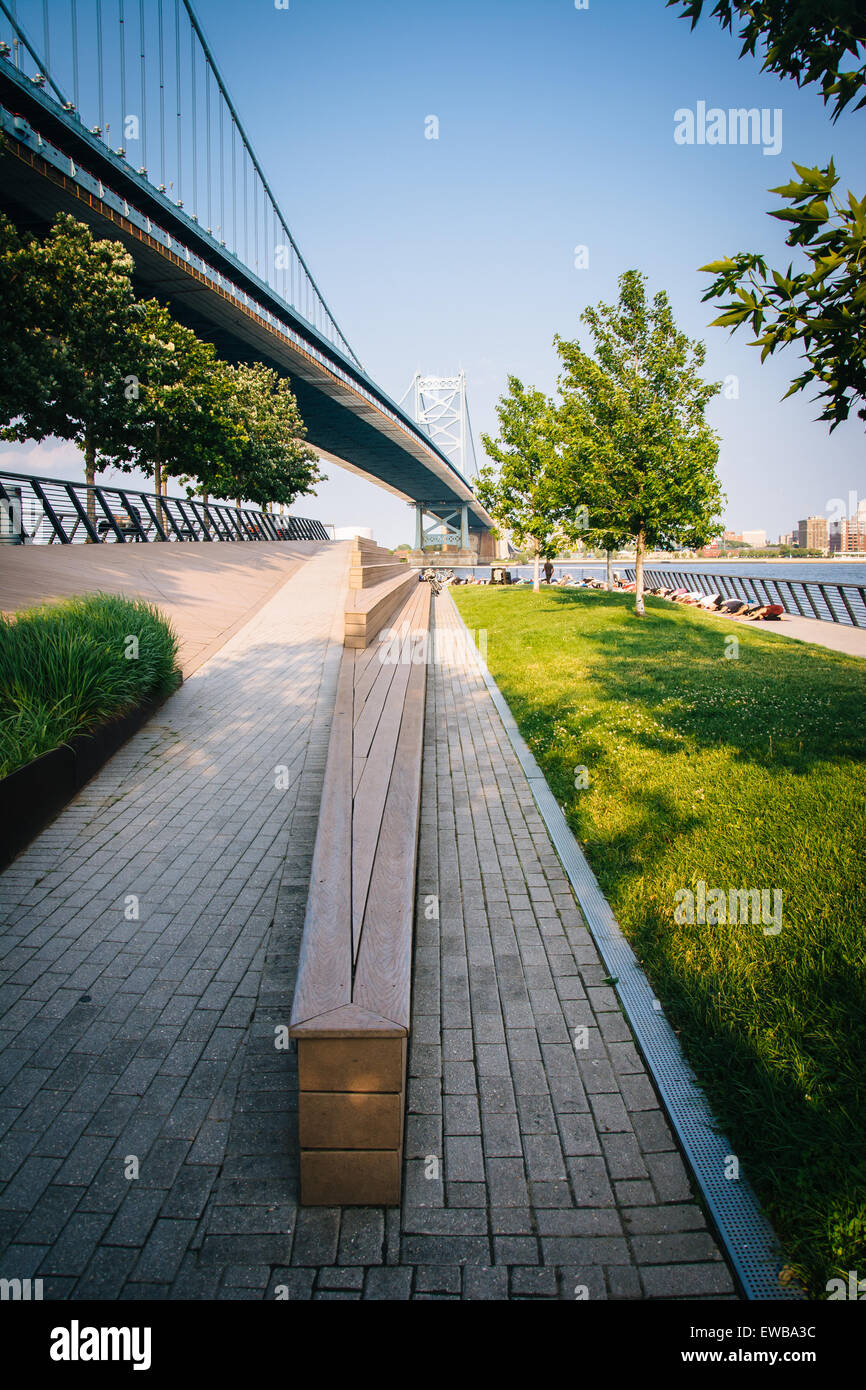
(756, 539)
(348, 533)
(813, 534)
(852, 534)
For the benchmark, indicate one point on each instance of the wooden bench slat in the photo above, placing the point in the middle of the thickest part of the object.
(383, 970)
(325, 966)
(368, 719)
(369, 806)
(366, 669)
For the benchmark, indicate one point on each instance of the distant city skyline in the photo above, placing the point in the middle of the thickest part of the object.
(461, 203)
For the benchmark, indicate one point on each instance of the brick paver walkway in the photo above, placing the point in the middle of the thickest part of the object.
(534, 1168)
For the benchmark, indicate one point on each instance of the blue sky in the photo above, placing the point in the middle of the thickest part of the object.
(556, 129)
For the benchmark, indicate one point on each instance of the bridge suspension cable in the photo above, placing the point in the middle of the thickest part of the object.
(94, 51)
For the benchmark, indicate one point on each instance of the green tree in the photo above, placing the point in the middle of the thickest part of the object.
(822, 307)
(183, 420)
(81, 313)
(25, 350)
(270, 460)
(522, 494)
(637, 449)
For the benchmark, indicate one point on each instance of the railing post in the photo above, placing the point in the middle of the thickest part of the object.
(834, 615)
(792, 591)
(97, 492)
(132, 513)
(270, 525)
(153, 516)
(213, 515)
(203, 524)
(807, 592)
(82, 513)
(50, 512)
(186, 520)
(840, 588)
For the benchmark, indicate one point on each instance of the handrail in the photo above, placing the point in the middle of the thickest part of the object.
(828, 602)
(40, 511)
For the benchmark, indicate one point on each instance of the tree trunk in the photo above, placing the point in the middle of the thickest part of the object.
(157, 487)
(90, 473)
(536, 581)
(638, 573)
(607, 556)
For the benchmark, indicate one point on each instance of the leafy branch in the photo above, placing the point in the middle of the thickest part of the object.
(807, 40)
(823, 307)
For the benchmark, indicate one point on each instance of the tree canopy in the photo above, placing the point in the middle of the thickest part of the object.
(806, 40)
(83, 360)
(522, 493)
(822, 307)
(636, 447)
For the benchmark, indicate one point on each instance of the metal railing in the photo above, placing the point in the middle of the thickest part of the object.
(40, 511)
(803, 598)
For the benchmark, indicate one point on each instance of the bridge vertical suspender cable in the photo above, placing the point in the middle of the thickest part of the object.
(75, 52)
(122, 78)
(234, 191)
(143, 131)
(179, 199)
(223, 237)
(161, 98)
(311, 284)
(195, 134)
(100, 79)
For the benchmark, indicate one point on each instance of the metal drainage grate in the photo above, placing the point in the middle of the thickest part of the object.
(741, 1227)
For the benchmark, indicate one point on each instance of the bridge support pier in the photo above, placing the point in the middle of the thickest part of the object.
(447, 541)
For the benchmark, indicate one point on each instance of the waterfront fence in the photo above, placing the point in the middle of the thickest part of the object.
(804, 598)
(40, 511)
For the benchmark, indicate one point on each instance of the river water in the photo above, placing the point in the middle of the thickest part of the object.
(823, 571)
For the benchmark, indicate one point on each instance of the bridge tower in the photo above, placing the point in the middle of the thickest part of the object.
(440, 406)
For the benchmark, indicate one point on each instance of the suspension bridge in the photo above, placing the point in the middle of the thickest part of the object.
(115, 111)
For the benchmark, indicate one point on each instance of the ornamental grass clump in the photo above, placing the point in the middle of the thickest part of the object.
(66, 668)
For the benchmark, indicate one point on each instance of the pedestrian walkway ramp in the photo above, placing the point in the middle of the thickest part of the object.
(209, 592)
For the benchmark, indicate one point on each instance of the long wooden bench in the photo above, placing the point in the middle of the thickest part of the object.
(350, 1013)
(369, 564)
(369, 610)
(378, 588)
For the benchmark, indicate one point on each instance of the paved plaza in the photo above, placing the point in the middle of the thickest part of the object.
(150, 938)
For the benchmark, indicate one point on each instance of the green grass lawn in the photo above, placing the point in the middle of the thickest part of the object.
(64, 670)
(743, 773)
